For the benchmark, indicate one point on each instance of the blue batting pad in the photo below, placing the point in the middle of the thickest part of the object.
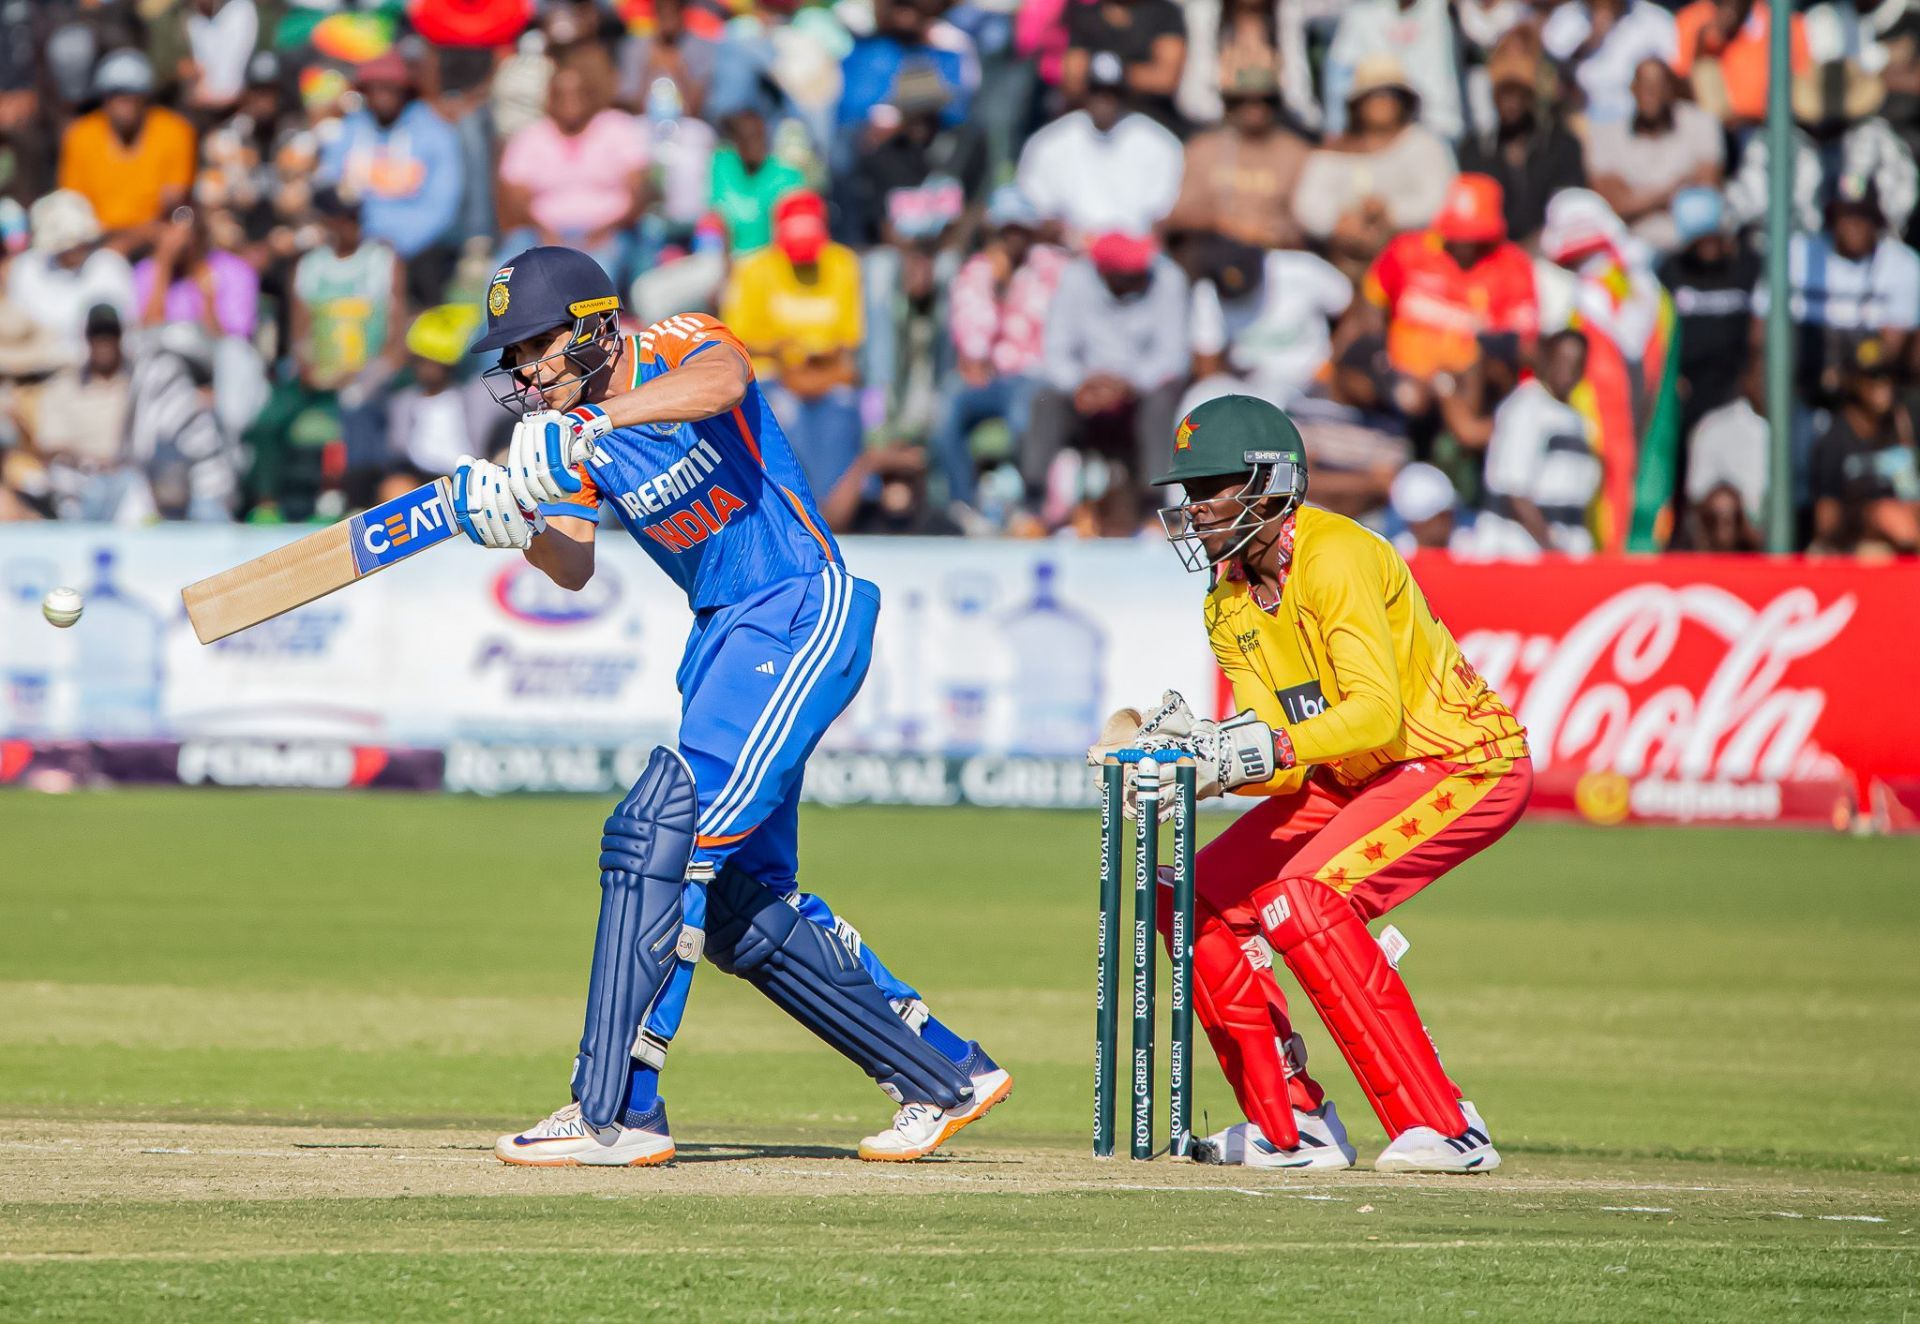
(644, 851)
(809, 974)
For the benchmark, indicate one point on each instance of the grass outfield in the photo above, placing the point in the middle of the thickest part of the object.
(253, 1048)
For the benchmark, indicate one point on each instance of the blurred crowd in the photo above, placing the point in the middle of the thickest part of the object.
(1502, 260)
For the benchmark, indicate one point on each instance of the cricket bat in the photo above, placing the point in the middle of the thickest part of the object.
(316, 565)
(331, 559)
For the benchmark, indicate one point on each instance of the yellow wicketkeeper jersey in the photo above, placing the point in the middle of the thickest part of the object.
(1353, 664)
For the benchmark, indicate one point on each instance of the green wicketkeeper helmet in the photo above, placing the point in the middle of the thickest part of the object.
(1227, 437)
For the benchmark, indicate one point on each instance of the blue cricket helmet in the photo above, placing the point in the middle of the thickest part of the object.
(536, 293)
(543, 289)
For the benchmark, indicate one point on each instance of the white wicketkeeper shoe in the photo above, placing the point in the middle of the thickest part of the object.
(1323, 1144)
(567, 1140)
(1423, 1149)
(920, 1128)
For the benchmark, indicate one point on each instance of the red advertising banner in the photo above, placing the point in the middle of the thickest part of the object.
(1700, 688)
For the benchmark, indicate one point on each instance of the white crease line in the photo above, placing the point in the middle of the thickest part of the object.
(1850, 1218)
(1635, 1209)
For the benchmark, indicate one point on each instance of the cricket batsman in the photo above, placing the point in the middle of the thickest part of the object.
(1381, 760)
(701, 855)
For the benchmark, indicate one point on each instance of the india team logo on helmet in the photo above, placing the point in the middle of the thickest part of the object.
(498, 297)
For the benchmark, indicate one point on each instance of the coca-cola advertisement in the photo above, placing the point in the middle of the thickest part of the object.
(1700, 689)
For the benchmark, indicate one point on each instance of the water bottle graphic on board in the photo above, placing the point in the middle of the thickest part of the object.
(29, 651)
(966, 669)
(118, 669)
(1058, 655)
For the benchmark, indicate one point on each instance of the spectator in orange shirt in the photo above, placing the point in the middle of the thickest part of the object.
(131, 159)
(1723, 48)
(1438, 292)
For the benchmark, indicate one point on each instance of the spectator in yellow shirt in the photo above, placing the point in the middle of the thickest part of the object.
(131, 159)
(796, 306)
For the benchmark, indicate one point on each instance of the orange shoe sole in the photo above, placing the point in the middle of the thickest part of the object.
(644, 1161)
(949, 1131)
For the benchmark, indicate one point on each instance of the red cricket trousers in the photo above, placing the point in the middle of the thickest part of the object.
(1377, 845)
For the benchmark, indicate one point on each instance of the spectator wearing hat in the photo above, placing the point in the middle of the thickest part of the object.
(1417, 34)
(66, 270)
(1438, 293)
(403, 162)
(131, 160)
(1528, 151)
(1104, 168)
(1601, 42)
(349, 301)
(1115, 359)
(1386, 173)
(1423, 505)
(70, 37)
(905, 32)
(910, 202)
(577, 179)
(915, 176)
(1542, 472)
(475, 24)
(1839, 137)
(1638, 164)
(1722, 47)
(201, 49)
(997, 322)
(1866, 479)
(1711, 275)
(1222, 49)
(797, 307)
(1238, 179)
(1148, 37)
(78, 424)
(1603, 282)
(348, 297)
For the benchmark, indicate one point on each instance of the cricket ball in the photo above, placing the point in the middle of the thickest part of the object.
(62, 606)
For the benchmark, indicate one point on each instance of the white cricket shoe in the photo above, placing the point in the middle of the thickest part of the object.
(567, 1140)
(920, 1128)
(1423, 1149)
(1323, 1144)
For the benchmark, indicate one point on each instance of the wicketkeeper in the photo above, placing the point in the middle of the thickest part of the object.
(1382, 760)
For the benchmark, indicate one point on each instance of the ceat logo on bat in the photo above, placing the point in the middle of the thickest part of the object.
(403, 526)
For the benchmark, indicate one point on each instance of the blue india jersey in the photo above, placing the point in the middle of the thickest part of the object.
(721, 504)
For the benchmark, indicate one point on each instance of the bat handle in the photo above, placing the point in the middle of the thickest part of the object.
(580, 451)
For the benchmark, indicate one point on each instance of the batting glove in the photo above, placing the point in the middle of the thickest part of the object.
(540, 455)
(486, 510)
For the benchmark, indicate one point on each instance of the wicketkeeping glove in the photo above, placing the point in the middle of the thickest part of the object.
(486, 510)
(1241, 751)
(1128, 729)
